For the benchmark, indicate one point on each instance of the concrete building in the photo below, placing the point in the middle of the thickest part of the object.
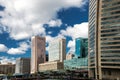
(57, 50)
(53, 65)
(69, 56)
(7, 68)
(38, 52)
(22, 65)
(81, 47)
(104, 39)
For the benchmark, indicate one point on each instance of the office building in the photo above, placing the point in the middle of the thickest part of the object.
(22, 66)
(53, 65)
(76, 64)
(81, 47)
(7, 69)
(57, 50)
(69, 56)
(104, 39)
(38, 53)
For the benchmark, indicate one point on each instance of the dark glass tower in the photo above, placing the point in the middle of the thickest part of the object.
(81, 47)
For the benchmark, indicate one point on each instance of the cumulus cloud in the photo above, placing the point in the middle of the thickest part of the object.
(50, 38)
(25, 18)
(3, 48)
(23, 47)
(78, 30)
(71, 45)
(5, 60)
(50, 32)
(55, 23)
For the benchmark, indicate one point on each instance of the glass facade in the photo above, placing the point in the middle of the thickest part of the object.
(81, 47)
(57, 50)
(92, 31)
(76, 63)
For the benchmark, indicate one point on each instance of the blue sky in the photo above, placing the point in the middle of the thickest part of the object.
(22, 19)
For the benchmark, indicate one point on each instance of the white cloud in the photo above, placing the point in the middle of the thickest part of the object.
(3, 48)
(49, 38)
(78, 30)
(71, 45)
(50, 32)
(23, 47)
(25, 18)
(5, 60)
(55, 23)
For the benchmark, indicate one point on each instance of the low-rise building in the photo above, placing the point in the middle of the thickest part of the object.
(76, 63)
(53, 65)
(7, 68)
(22, 65)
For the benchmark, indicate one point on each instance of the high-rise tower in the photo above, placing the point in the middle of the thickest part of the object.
(37, 53)
(81, 47)
(57, 50)
(104, 39)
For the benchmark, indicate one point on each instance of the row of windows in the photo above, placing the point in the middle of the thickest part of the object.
(109, 43)
(111, 13)
(110, 22)
(110, 4)
(117, 51)
(110, 47)
(106, 35)
(106, 1)
(118, 38)
(110, 9)
(111, 30)
(110, 55)
(107, 27)
(92, 64)
(110, 64)
(113, 17)
(110, 60)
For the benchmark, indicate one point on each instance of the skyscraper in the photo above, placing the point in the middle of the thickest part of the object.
(37, 53)
(81, 47)
(57, 50)
(104, 39)
(22, 65)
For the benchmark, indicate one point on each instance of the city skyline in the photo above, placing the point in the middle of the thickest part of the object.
(25, 21)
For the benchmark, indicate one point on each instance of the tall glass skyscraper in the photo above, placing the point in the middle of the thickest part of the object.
(104, 39)
(81, 47)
